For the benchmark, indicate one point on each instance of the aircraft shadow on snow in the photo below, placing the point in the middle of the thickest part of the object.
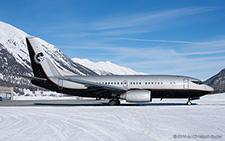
(106, 104)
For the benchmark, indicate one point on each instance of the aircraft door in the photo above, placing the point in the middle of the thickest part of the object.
(125, 84)
(186, 83)
(60, 84)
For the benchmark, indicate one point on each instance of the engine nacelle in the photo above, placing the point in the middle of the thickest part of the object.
(137, 96)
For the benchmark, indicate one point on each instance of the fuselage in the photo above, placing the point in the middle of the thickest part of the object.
(161, 86)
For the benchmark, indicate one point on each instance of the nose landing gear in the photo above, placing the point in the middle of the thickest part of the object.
(191, 98)
(189, 101)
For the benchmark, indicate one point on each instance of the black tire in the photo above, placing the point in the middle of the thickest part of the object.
(114, 102)
(117, 102)
(189, 103)
(98, 98)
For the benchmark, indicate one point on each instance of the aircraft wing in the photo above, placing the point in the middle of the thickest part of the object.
(97, 85)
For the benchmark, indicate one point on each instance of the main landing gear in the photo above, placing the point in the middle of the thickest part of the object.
(114, 102)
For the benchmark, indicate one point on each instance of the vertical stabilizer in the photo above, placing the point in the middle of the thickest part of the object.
(41, 64)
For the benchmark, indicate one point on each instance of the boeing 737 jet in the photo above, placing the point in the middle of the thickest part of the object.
(132, 88)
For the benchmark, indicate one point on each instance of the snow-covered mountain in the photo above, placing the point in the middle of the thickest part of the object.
(105, 68)
(13, 40)
(14, 58)
(217, 81)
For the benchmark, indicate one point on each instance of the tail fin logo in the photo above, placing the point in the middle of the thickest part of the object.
(39, 58)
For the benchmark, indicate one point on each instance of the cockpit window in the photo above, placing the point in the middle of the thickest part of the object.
(198, 82)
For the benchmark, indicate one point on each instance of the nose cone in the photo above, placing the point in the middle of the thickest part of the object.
(209, 88)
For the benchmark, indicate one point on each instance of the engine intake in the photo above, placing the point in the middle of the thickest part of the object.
(137, 96)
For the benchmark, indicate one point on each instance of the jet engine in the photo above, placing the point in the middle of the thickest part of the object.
(137, 96)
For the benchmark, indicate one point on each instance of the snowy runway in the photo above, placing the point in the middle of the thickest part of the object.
(178, 122)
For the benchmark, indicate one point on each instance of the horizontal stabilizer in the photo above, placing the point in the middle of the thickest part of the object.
(31, 77)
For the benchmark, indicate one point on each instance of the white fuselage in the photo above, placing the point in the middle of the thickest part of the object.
(143, 82)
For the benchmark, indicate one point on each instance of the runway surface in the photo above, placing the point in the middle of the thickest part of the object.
(91, 120)
(213, 100)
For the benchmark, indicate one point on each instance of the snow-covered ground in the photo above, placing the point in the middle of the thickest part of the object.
(202, 121)
(43, 95)
(22, 97)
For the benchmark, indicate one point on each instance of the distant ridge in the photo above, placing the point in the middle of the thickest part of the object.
(106, 68)
(217, 82)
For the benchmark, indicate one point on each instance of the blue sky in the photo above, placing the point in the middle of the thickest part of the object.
(181, 37)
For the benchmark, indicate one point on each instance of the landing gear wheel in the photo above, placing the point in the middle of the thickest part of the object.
(189, 103)
(114, 102)
(98, 98)
(117, 102)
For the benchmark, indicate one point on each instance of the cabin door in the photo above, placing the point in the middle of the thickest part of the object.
(60, 84)
(186, 83)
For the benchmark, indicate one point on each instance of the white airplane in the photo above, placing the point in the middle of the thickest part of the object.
(132, 88)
